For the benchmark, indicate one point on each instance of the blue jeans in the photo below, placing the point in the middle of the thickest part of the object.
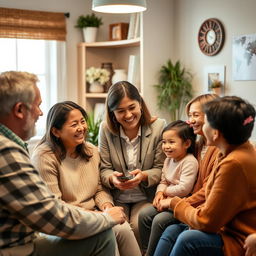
(178, 240)
(151, 226)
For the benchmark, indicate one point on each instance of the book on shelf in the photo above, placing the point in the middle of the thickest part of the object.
(137, 26)
(131, 26)
(133, 75)
(134, 26)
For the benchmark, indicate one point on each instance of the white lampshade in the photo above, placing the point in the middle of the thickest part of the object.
(119, 6)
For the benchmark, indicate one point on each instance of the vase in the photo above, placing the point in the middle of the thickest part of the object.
(90, 34)
(119, 75)
(109, 67)
(96, 87)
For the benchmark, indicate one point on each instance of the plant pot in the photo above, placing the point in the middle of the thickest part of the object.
(96, 87)
(90, 34)
(217, 90)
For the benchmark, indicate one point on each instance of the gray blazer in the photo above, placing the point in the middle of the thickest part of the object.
(152, 157)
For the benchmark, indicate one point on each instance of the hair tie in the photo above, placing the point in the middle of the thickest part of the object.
(248, 120)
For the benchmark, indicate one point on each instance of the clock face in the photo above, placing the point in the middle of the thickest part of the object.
(211, 37)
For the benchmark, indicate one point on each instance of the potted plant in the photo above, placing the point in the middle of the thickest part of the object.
(89, 24)
(174, 89)
(97, 77)
(216, 86)
(93, 129)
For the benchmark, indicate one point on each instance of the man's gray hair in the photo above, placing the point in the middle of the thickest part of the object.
(16, 87)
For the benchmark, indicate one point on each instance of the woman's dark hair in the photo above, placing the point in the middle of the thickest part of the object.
(233, 117)
(116, 93)
(185, 132)
(56, 117)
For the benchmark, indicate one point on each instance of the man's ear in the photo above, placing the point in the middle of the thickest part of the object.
(19, 109)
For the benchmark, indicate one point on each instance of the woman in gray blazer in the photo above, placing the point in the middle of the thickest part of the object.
(130, 150)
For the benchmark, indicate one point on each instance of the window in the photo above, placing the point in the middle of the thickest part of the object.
(44, 58)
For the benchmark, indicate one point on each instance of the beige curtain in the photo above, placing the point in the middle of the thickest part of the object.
(27, 24)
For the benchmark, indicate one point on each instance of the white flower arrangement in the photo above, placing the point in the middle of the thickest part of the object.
(97, 74)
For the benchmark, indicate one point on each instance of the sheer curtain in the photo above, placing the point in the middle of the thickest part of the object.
(34, 41)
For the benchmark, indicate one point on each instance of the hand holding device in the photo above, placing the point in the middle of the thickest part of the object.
(126, 176)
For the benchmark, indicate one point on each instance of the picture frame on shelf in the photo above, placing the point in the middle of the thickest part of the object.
(214, 79)
(118, 31)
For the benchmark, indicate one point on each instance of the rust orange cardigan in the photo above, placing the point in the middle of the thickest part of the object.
(230, 205)
(205, 168)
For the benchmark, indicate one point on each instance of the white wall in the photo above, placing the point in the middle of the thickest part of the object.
(238, 18)
(158, 47)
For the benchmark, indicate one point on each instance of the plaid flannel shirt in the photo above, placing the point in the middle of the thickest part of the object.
(27, 206)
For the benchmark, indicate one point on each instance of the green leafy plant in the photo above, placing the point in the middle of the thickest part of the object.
(90, 20)
(93, 129)
(216, 84)
(174, 89)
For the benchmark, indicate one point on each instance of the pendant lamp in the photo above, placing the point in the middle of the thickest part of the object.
(119, 6)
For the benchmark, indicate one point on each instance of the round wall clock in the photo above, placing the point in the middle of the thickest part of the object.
(211, 37)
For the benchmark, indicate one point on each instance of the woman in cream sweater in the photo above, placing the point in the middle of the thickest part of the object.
(70, 167)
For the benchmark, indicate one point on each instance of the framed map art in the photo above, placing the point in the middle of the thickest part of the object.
(244, 57)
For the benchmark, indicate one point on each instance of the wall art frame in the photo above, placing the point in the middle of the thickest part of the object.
(213, 74)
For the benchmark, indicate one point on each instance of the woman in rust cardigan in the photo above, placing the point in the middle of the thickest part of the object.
(220, 225)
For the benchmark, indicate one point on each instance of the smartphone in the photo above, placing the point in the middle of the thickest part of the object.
(125, 177)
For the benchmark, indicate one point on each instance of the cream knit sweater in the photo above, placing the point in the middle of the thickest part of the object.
(74, 181)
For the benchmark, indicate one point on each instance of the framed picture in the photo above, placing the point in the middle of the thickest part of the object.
(244, 57)
(118, 31)
(214, 79)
